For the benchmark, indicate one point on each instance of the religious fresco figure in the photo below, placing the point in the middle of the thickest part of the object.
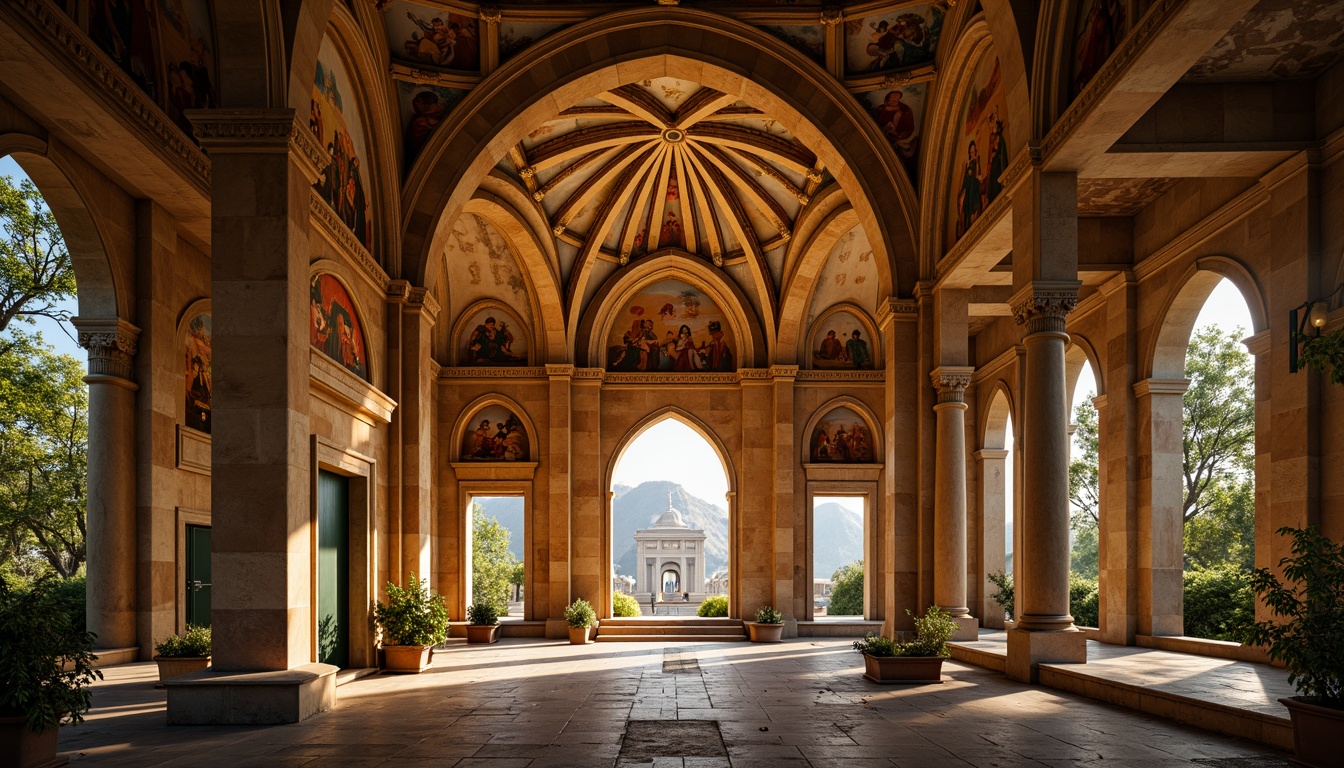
(1102, 30)
(674, 328)
(199, 376)
(840, 437)
(491, 342)
(498, 436)
(970, 205)
(447, 43)
(333, 326)
(856, 350)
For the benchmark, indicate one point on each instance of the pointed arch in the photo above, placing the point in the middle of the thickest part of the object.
(801, 283)
(1079, 352)
(994, 432)
(854, 404)
(805, 346)
(697, 425)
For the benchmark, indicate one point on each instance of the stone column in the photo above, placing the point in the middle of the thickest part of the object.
(793, 595)
(896, 511)
(110, 525)
(1117, 421)
(1160, 522)
(993, 509)
(949, 496)
(418, 316)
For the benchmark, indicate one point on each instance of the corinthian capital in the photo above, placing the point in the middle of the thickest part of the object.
(1043, 305)
(111, 344)
(951, 382)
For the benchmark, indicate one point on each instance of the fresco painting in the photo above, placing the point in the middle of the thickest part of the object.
(334, 326)
(199, 378)
(981, 153)
(899, 112)
(494, 337)
(495, 433)
(1101, 25)
(188, 51)
(333, 118)
(428, 35)
(892, 40)
(841, 436)
(125, 31)
(809, 39)
(671, 326)
(515, 36)
(842, 342)
(423, 107)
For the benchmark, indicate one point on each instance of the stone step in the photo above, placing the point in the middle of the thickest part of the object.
(667, 629)
(647, 621)
(606, 638)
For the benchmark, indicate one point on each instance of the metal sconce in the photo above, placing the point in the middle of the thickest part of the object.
(1318, 313)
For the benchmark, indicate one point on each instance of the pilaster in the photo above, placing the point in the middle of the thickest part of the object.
(1161, 522)
(898, 323)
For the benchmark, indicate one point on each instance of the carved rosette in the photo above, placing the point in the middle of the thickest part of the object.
(1044, 309)
(111, 353)
(951, 382)
(832, 15)
(489, 14)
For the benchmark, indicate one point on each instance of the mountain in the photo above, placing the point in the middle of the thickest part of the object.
(837, 538)
(620, 489)
(508, 510)
(638, 507)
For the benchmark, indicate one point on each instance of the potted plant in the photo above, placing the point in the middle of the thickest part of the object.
(37, 692)
(183, 653)
(919, 661)
(482, 623)
(1307, 635)
(413, 621)
(768, 626)
(580, 616)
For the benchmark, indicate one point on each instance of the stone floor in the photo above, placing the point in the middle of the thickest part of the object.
(543, 703)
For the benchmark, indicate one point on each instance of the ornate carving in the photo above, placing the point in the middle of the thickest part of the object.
(489, 14)
(1042, 306)
(559, 370)
(671, 378)
(832, 15)
(841, 375)
(57, 32)
(527, 172)
(221, 131)
(111, 349)
(951, 381)
(591, 374)
(492, 373)
(753, 374)
(335, 229)
(669, 2)
(896, 79)
(783, 371)
(558, 230)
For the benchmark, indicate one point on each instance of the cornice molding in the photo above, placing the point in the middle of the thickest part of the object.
(340, 236)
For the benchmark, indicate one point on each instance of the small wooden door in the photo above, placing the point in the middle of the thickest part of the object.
(333, 569)
(198, 575)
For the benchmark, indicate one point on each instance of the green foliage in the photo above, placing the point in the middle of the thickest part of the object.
(44, 434)
(1219, 436)
(768, 615)
(1325, 353)
(412, 616)
(623, 605)
(1084, 490)
(714, 606)
(1004, 596)
(932, 631)
(1308, 602)
(482, 614)
(580, 614)
(1084, 601)
(492, 564)
(195, 642)
(70, 598)
(876, 645)
(1219, 603)
(35, 268)
(37, 639)
(847, 592)
(1225, 533)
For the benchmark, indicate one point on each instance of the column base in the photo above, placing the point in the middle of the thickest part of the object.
(211, 697)
(557, 629)
(1027, 649)
(790, 627)
(968, 628)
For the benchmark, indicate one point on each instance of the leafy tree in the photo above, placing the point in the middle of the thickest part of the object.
(35, 268)
(847, 592)
(492, 564)
(1225, 533)
(43, 459)
(1003, 595)
(1219, 441)
(1084, 490)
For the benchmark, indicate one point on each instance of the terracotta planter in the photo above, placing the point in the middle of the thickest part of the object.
(482, 633)
(407, 659)
(765, 633)
(21, 748)
(580, 635)
(904, 669)
(1316, 731)
(177, 666)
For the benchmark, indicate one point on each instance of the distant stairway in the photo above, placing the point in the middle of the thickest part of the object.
(670, 629)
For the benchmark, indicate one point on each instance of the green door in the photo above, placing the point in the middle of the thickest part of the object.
(198, 575)
(333, 568)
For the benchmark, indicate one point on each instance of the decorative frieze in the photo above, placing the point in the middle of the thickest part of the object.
(501, 372)
(1043, 306)
(852, 376)
(340, 235)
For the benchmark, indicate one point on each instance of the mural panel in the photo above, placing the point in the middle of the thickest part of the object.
(514, 36)
(841, 342)
(809, 39)
(849, 276)
(125, 31)
(199, 378)
(423, 107)
(493, 336)
(423, 34)
(893, 40)
(1101, 25)
(899, 112)
(334, 119)
(671, 326)
(189, 50)
(841, 436)
(334, 326)
(495, 434)
(981, 154)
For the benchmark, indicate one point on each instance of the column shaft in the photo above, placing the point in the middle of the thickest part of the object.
(949, 494)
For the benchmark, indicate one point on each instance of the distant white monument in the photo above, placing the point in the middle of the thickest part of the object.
(671, 558)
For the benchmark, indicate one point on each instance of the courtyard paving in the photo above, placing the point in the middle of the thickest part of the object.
(538, 704)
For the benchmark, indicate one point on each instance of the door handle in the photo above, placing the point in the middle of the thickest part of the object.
(196, 585)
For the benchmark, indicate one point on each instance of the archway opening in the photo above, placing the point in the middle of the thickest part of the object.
(838, 562)
(997, 505)
(1084, 495)
(498, 554)
(670, 521)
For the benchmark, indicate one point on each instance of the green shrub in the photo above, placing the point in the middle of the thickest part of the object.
(482, 614)
(768, 615)
(623, 605)
(37, 639)
(412, 616)
(70, 596)
(1084, 601)
(932, 631)
(1004, 596)
(1219, 603)
(876, 645)
(714, 606)
(195, 642)
(847, 592)
(580, 614)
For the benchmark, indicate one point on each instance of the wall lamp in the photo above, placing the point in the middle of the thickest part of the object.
(1316, 316)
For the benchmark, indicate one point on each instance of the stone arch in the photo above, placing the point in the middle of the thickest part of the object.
(804, 348)
(854, 404)
(796, 299)
(99, 294)
(372, 352)
(1080, 351)
(596, 55)
(698, 425)
(623, 285)
(998, 413)
(268, 51)
(473, 408)
(1166, 354)
(459, 330)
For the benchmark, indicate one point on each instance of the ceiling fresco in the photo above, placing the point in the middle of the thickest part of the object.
(1119, 197)
(1277, 39)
